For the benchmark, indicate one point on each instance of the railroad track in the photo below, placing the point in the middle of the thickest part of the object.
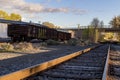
(92, 65)
(89, 66)
(97, 63)
(114, 63)
(85, 67)
(44, 63)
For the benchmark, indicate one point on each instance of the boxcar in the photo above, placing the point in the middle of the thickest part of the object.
(64, 35)
(27, 32)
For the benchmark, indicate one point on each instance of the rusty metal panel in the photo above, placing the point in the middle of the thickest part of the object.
(17, 30)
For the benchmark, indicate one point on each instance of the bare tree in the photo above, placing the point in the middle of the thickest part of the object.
(115, 22)
(95, 23)
(101, 24)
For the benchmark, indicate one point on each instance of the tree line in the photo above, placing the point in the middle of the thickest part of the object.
(51, 25)
(92, 31)
(115, 22)
(11, 16)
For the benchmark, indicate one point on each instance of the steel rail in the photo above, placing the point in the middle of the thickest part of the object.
(104, 77)
(24, 73)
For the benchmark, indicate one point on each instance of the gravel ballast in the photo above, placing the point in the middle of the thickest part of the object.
(23, 60)
(114, 63)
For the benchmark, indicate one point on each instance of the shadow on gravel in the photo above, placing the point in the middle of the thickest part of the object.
(116, 46)
(114, 64)
(21, 62)
(114, 70)
(26, 56)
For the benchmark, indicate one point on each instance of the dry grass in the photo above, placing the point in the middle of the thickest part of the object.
(6, 47)
(75, 42)
(18, 47)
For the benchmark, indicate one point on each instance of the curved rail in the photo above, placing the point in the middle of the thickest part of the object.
(21, 74)
(104, 77)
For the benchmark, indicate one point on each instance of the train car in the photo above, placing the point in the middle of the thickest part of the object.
(18, 32)
(64, 35)
(27, 32)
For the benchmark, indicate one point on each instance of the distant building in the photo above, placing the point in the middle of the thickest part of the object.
(3, 30)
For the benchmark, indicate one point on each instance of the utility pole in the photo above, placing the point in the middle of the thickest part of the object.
(79, 36)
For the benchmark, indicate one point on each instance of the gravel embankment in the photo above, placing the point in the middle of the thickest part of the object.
(23, 60)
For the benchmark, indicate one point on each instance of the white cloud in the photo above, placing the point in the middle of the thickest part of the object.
(78, 11)
(22, 6)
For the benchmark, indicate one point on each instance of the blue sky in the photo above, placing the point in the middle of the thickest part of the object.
(65, 13)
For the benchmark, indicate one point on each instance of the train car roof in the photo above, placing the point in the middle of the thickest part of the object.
(11, 22)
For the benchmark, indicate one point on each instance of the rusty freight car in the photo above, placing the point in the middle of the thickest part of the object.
(27, 32)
